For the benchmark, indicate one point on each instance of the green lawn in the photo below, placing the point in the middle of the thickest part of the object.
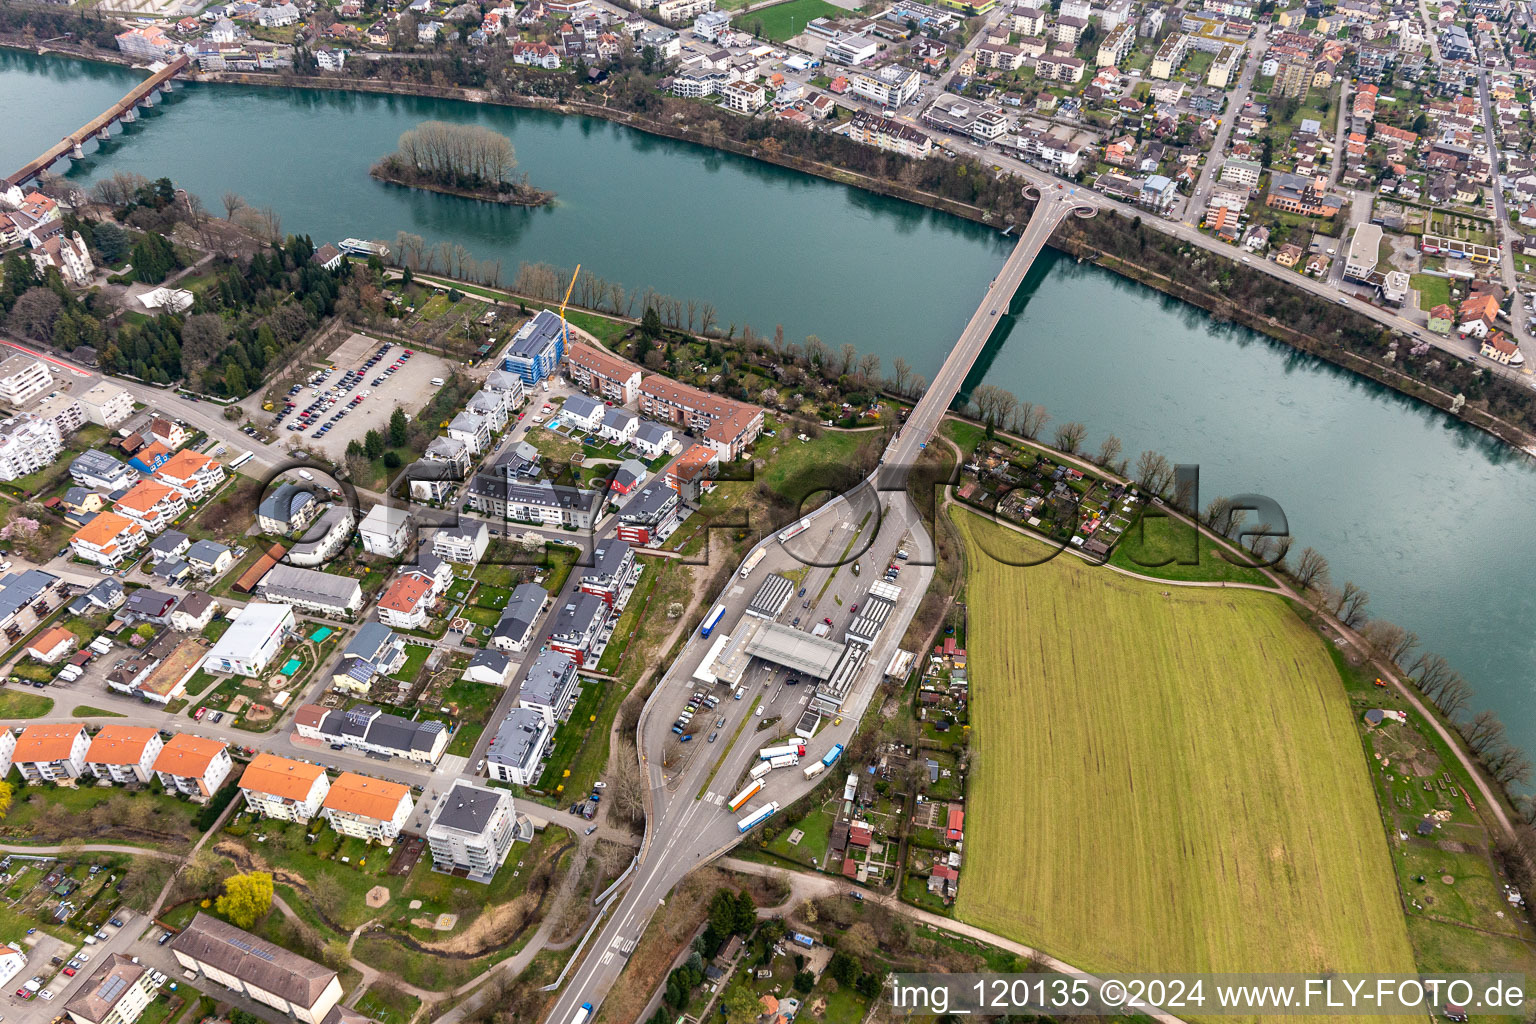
(1433, 290)
(791, 473)
(781, 21)
(16, 704)
(415, 656)
(1154, 539)
(393, 1006)
(86, 711)
(1201, 735)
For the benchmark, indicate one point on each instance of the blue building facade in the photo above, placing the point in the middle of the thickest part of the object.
(537, 348)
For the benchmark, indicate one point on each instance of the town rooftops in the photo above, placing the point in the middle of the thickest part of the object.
(285, 501)
(280, 777)
(536, 335)
(253, 960)
(185, 463)
(370, 639)
(46, 742)
(105, 528)
(357, 794)
(119, 744)
(581, 406)
(601, 362)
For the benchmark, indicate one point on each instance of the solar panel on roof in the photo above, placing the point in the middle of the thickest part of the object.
(111, 989)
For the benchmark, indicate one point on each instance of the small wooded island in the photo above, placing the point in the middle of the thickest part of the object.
(459, 160)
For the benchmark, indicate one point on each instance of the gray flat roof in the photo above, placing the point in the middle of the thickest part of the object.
(517, 737)
(468, 808)
(794, 649)
(771, 597)
(873, 612)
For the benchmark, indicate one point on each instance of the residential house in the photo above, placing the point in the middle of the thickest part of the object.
(287, 509)
(152, 505)
(276, 787)
(550, 686)
(193, 766)
(27, 444)
(209, 558)
(97, 469)
(489, 667)
(194, 476)
(193, 612)
(52, 645)
(262, 972)
(373, 731)
(108, 540)
(118, 991)
(514, 631)
(619, 425)
(124, 753)
(311, 591)
(325, 539)
(407, 602)
(582, 413)
(376, 650)
(373, 810)
(471, 831)
(385, 531)
(464, 543)
(51, 752)
(517, 751)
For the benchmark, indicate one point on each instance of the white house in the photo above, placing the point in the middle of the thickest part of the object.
(517, 750)
(464, 544)
(583, 413)
(51, 752)
(369, 809)
(386, 531)
(619, 426)
(193, 766)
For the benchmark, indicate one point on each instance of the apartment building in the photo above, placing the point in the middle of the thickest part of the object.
(576, 624)
(1116, 46)
(255, 968)
(517, 751)
(117, 992)
(464, 544)
(514, 631)
(276, 787)
(407, 601)
(1170, 56)
(612, 569)
(369, 809)
(549, 687)
(385, 531)
(537, 348)
(51, 752)
(890, 135)
(651, 516)
(312, 591)
(106, 405)
(23, 378)
(890, 86)
(108, 540)
(542, 502)
(154, 506)
(743, 97)
(194, 476)
(124, 753)
(98, 470)
(603, 374)
(193, 766)
(27, 444)
(471, 831)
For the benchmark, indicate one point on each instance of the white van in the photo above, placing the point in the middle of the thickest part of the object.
(306, 474)
(437, 382)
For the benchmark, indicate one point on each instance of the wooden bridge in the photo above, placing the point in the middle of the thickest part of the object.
(100, 127)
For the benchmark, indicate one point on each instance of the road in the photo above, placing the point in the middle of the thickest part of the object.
(1194, 206)
(688, 824)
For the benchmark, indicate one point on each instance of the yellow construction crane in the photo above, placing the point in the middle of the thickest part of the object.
(565, 328)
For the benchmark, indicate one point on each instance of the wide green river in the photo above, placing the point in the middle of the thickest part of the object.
(1432, 518)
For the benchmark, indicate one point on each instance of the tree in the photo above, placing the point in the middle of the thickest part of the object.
(204, 338)
(1109, 451)
(111, 242)
(373, 444)
(804, 982)
(722, 912)
(1032, 419)
(1311, 569)
(746, 913)
(844, 968)
(399, 428)
(392, 460)
(327, 894)
(741, 1006)
(246, 898)
(1152, 471)
(650, 324)
(1069, 436)
(6, 795)
(34, 314)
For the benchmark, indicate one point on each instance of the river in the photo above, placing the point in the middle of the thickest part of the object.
(1428, 515)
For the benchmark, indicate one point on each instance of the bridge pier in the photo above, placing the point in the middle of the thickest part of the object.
(79, 151)
(129, 116)
(104, 135)
(148, 100)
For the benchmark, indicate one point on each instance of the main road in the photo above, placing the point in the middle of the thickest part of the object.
(688, 824)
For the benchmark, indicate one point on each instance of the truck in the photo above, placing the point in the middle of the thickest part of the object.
(753, 788)
(752, 562)
(760, 769)
(832, 755)
(757, 817)
(713, 620)
(802, 939)
(795, 530)
(769, 753)
(582, 1015)
(784, 761)
(814, 769)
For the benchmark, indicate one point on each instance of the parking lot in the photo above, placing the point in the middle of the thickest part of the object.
(358, 395)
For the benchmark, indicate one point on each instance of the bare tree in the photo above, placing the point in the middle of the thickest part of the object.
(1351, 605)
(626, 788)
(119, 188)
(899, 366)
(1430, 671)
(1032, 419)
(1392, 641)
(1109, 451)
(1153, 472)
(1069, 436)
(1454, 695)
(232, 201)
(1483, 732)
(1311, 569)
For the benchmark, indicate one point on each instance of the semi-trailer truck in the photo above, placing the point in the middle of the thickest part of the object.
(769, 753)
(753, 788)
(757, 817)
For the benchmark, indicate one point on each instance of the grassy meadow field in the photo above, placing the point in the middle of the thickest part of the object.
(1165, 779)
